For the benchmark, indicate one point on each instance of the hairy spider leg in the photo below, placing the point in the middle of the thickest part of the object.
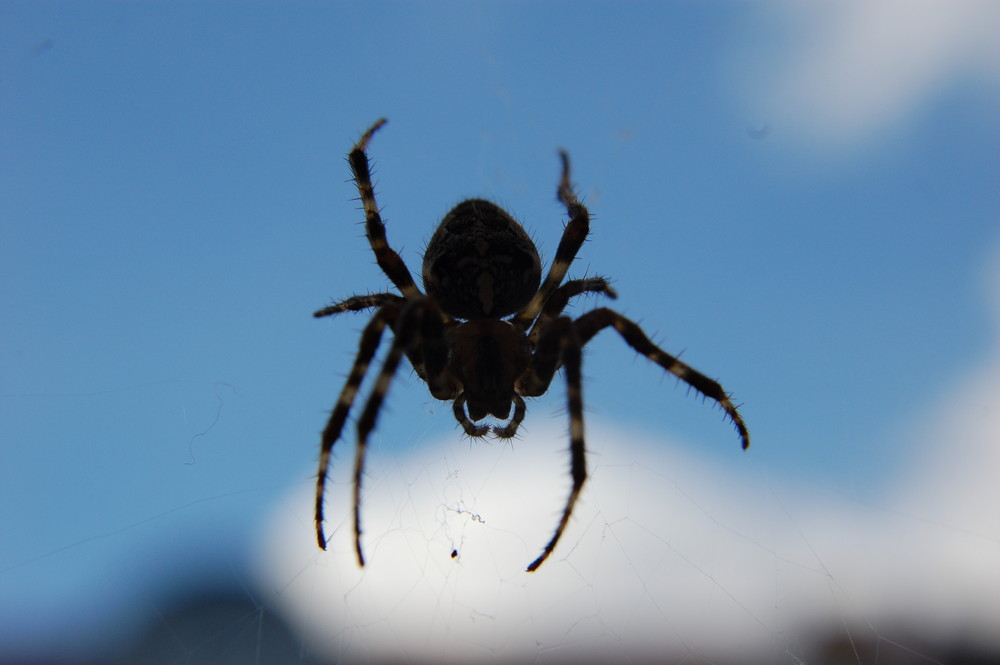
(388, 260)
(471, 428)
(509, 430)
(594, 321)
(429, 354)
(435, 351)
(408, 327)
(371, 337)
(359, 303)
(573, 236)
(560, 298)
(560, 345)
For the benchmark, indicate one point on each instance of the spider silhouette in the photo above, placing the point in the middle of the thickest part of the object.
(486, 332)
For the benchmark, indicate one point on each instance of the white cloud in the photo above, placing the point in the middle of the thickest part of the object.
(844, 71)
(640, 540)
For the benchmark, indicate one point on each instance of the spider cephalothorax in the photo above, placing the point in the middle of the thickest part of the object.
(487, 333)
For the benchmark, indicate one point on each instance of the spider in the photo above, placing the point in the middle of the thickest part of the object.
(485, 333)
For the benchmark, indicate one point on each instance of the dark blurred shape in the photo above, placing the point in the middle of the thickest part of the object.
(216, 628)
(902, 647)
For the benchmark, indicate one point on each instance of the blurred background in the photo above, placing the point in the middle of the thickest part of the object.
(801, 199)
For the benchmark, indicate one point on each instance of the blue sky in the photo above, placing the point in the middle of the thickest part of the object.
(174, 204)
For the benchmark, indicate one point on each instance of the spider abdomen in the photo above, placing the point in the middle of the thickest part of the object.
(480, 263)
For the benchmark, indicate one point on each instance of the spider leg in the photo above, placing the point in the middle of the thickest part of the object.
(435, 353)
(407, 328)
(370, 339)
(432, 352)
(568, 352)
(510, 429)
(359, 303)
(593, 322)
(546, 360)
(572, 239)
(388, 260)
(560, 298)
(471, 428)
